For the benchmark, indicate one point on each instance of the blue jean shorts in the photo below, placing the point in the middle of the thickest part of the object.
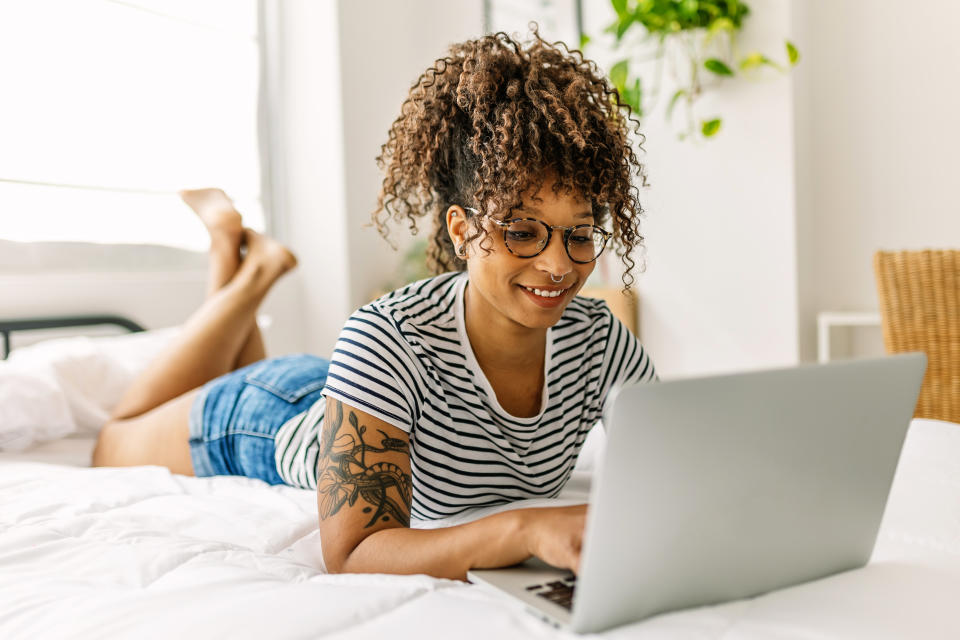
(235, 418)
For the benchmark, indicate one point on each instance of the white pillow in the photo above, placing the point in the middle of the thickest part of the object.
(32, 408)
(67, 385)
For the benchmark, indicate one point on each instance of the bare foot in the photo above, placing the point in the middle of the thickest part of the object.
(266, 251)
(218, 214)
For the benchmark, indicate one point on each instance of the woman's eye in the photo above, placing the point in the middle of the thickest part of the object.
(580, 239)
(520, 236)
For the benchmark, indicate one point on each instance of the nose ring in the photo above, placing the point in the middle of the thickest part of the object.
(554, 278)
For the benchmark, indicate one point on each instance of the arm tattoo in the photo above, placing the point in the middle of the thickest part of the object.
(345, 475)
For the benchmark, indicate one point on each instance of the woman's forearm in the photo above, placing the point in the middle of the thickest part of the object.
(494, 541)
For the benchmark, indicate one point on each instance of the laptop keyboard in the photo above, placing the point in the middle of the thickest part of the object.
(558, 592)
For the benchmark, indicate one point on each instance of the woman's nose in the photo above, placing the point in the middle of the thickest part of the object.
(554, 260)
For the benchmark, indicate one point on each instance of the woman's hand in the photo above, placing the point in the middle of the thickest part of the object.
(555, 534)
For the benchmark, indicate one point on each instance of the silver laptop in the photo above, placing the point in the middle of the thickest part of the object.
(720, 488)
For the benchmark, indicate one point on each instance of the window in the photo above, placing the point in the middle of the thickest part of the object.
(110, 107)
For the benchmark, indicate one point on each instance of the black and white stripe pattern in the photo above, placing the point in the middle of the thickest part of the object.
(405, 359)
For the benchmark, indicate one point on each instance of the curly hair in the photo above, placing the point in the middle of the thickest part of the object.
(486, 124)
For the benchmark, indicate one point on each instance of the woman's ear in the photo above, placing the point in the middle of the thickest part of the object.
(457, 228)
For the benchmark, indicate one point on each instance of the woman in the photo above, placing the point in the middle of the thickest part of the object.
(473, 388)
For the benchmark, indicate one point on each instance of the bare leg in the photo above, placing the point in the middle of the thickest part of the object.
(210, 341)
(151, 422)
(161, 436)
(225, 226)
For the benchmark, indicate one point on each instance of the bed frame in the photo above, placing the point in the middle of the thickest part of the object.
(60, 322)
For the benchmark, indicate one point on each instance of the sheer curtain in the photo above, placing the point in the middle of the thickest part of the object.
(109, 107)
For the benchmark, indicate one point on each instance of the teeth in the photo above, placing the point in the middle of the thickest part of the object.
(545, 294)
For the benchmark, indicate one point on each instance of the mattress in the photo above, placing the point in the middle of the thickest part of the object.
(140, 552)
(74, 450)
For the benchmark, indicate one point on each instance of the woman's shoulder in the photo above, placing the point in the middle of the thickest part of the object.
(421, 303)
(427, 290)
(593, 322)
(603, 334)
(586, 314)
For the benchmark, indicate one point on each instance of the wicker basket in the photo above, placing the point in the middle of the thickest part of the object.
(920, 308)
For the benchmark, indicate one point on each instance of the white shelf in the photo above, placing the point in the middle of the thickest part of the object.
(826, 320)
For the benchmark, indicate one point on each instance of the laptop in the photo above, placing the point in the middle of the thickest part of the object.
(727, 487)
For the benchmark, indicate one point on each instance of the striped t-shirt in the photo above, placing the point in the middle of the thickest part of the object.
(406, 359)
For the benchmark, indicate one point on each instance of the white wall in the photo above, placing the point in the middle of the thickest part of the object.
(345, 68)
(719, 293)
(877, 104)
(384, 47)
(309, 172)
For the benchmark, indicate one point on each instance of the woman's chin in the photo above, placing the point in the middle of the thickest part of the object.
(539, 317)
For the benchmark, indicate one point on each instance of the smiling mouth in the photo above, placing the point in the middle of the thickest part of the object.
(545, 293)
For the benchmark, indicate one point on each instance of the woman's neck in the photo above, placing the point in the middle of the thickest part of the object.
(499, 344)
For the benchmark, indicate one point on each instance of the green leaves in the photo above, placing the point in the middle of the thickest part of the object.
(718, 67)
(688, 8)
(663, 17)
(709, 128)
(623, 24)
(633, 96)
(630, 94)
(752, 60)
(680, 93)
(618, 74)
(792, 54)
(696, 27)
(721, 24)
(756, 59)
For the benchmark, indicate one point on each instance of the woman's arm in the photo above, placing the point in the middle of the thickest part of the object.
(363, 499)
(553, 534)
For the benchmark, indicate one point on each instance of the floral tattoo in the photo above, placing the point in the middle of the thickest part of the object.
(345, 475)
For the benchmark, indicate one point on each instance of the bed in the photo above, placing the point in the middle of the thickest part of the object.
(140, 552)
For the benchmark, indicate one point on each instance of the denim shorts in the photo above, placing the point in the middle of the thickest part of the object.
(235, 418)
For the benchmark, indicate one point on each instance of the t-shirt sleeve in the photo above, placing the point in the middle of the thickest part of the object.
(373, 369)
(626, 361)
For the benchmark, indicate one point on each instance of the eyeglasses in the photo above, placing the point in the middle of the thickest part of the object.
(529, 237)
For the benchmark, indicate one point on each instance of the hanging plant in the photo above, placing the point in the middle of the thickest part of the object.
(696, 40)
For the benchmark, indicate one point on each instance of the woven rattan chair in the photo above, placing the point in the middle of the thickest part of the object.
(920, 310)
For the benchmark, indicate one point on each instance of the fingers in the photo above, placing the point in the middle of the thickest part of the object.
(577, 553)
(557, 535)
(578, 538)
(573, 541)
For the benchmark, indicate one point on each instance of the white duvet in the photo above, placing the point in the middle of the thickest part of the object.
(142, 553)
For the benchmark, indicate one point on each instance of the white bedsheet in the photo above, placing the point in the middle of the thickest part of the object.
(142, 553)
